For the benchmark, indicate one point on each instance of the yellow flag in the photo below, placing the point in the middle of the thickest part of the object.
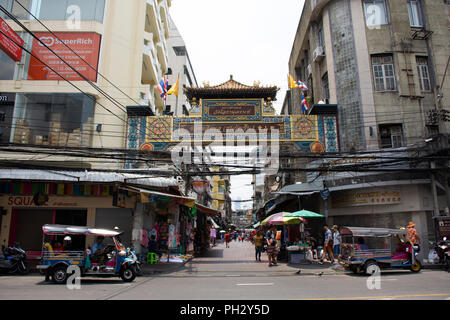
(292, 83)
(174, 89)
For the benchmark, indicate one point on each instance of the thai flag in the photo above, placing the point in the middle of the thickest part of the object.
(302, 85)
(162, 88)
(305, 106)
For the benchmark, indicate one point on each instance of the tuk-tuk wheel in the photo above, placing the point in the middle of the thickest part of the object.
(59, 275)
(128, 274)
(416, 267)
(355, 269)
(371, 267)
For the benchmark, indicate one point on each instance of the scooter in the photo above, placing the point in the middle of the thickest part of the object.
(13, 260)
(442, 251)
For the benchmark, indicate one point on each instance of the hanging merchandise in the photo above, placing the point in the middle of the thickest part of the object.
(192, 212)
(154, 233)
(144, 237)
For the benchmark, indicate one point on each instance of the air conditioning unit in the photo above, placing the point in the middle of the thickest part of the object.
(318, 54)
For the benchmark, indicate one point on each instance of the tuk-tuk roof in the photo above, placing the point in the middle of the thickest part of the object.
(373, 232)
(55, 229)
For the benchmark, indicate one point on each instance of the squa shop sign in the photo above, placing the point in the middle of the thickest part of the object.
(30, 201)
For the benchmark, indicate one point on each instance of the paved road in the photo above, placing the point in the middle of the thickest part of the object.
(232, 273)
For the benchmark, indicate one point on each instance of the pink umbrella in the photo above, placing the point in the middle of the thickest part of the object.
(281, 219)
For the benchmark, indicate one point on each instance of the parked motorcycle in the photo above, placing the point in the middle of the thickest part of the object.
(13, 260)
(442, 251)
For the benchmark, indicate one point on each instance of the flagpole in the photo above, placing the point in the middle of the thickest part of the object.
(176, 103)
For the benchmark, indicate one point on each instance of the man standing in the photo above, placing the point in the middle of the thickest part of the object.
(336, 242)
(258, 245)
(413, 236)
(328, 243)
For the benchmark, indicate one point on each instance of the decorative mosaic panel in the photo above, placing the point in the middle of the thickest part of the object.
(331, 137)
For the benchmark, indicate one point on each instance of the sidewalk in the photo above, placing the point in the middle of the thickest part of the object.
(238, 259)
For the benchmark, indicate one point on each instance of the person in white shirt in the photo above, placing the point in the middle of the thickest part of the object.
(336, 242)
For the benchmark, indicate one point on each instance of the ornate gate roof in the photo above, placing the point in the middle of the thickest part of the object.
(232, 90)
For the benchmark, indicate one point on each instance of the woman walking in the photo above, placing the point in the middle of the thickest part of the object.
(272, 252)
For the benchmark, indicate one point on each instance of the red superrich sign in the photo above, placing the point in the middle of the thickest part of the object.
(86, 45)
(7, 45)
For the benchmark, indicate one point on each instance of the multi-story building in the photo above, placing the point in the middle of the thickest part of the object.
(180, 66)
(118, 52)
(382, 66)
(125, 41)
(382, 62)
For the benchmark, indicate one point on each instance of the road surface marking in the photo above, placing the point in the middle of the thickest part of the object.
(386, 297)
(255, 284)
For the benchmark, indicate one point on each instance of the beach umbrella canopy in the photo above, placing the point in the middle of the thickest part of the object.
(281, 219)
(304, 214)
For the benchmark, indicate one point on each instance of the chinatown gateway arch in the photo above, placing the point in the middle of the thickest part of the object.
(233, 114)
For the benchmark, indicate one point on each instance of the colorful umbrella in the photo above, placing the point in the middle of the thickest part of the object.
(281, 219)
(304, 214)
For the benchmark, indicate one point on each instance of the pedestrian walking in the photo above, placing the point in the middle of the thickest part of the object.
(313, 243)
(258, 239)
(227, 239)
(336, 242)
(272, 252)
(328, 244)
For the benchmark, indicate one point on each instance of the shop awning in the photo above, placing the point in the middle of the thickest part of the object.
(146, 196)
(214, 224)
(206, 210)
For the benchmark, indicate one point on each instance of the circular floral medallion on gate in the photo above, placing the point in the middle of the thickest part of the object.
(317, 147)
(147, 147)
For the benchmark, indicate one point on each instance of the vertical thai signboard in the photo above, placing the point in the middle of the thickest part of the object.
(85, 45)
(10, 41)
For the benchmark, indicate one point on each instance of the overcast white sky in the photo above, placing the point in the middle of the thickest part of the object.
(250, 39)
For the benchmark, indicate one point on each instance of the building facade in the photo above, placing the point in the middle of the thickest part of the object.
(382, 64)
(382, 61)
(180, 66)
(131, 58)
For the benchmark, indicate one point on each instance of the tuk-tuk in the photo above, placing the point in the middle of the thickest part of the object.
(365, 249)
(113, 260)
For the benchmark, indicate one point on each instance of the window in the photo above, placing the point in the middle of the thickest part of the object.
(325, 88)
(415, 14)
(89, 10)
(422, 71)
(180, 51)
(391, 136)
(7, 67)
(60, 119)
(383, 72)
(375, 12)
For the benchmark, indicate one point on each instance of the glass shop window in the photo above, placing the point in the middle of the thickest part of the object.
(53, 120)
(88, 10)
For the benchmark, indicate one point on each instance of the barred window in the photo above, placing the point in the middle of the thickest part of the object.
(422, 71)
(383, 72)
